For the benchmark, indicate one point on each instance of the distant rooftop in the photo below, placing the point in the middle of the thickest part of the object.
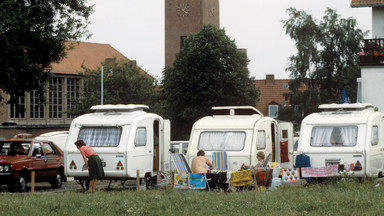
(88, 54)
(367, 3)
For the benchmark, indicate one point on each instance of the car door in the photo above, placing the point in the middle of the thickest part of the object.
(39, 162)
(52, 159)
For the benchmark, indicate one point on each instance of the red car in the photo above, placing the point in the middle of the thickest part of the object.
(18, 158)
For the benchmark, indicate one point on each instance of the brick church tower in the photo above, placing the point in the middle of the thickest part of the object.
(183, 17)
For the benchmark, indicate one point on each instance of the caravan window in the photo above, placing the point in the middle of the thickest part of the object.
(221, 141)
(375, 135)
(261, 140)
(100, 136)
(334, 136)
(141, 136)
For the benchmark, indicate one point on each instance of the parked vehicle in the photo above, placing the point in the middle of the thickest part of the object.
(179, 147)
(58, 137)
(345, 134)
(125, 137)
(242, 131)
(19, 157)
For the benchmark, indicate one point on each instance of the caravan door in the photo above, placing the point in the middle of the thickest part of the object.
(375, 154)
(284, 145)
(142, 155)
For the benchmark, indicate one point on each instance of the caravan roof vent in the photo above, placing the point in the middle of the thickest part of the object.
(346, 107)
(235, 110)
(119, 107)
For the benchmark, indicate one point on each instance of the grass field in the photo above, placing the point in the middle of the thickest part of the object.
(339, 198)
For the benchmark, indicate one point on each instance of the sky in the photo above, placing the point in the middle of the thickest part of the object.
(136, 29)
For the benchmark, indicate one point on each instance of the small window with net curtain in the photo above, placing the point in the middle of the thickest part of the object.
(261, 140)
(334, 136)
(141, 136)
(100, 136)
(375, 135)
(222, 141)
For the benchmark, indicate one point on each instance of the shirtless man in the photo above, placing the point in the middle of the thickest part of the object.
(199, 163)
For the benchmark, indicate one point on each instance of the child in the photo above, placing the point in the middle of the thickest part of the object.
(93, 163)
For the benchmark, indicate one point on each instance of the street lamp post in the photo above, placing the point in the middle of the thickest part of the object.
(102, 68)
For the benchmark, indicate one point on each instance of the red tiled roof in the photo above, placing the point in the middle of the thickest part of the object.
(367, 3)
(88, 54)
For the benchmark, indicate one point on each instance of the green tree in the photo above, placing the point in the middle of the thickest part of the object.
(208, 71)
(32, 35)
(326, 61)
(123, 83)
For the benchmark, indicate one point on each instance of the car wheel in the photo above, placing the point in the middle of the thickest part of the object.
(21, 184)
(57, 182)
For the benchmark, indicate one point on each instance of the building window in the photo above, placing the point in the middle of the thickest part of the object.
(182, 41)
(36, 109)
(272, 110)
(18, 109)
(73, 93)
(56, 97)
(285, 85)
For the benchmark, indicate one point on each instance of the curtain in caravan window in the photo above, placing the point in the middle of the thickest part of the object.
(221, 141)
(141, 136)
(339, 135)
(321, 136)
(349, 135)
(100, 136)
(375, 135)
(261, 141)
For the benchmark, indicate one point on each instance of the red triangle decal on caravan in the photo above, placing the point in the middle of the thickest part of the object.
(72, 165)
(120, 166)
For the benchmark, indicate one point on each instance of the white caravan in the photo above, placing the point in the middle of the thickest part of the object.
(242, 131)
(125, 137)
(344, 134)
(58, 137)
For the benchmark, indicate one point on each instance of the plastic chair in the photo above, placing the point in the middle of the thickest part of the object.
(219, 160)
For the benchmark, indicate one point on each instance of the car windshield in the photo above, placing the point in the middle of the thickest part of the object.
(14, 148)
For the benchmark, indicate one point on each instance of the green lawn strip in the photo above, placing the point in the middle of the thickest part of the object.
(338, 198)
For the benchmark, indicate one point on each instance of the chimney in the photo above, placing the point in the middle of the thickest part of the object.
(109, 60)
(270, 79)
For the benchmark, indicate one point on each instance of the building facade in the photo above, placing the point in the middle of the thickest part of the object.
(28, 116)
(370, 84)
(183, 17)
(271, 95)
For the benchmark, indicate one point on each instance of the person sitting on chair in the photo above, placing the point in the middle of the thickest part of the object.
(199, 163)
(260, 158)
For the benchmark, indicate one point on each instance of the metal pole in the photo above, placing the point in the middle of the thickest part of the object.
(102, 68)
(137, 179)
(33, 181)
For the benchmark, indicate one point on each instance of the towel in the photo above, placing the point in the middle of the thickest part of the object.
(197, 180)
(290, 175)
(241, 178)
(263, 176)
(324, 171)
